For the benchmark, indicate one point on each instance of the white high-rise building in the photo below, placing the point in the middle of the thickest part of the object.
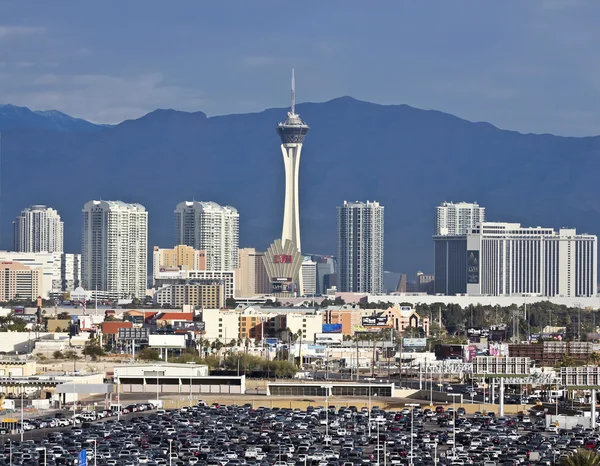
(309, 276)
(506, 259)
(38, 229)
(360, 247)
(115, 249)
(457, 219)
(212, 228)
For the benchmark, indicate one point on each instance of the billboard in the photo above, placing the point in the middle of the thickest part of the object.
(473, 267)
(331, 328)
(166, 341)
(414, 342)
(134, 333)
(375, 321)
(498, 349)
(283, 285)
(329, 338)
(170, 273)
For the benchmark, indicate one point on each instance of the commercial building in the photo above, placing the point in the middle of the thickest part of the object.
(183, 379)
(309, 277)
(18, 281)
(70, 271)
(457, 219)
(283, 263)
(48, 263)
(180, 257)
(38, 229)
(360, 247)
(347, 316)
(326, 267)
(251, 276)
(115, 248)
(425, 283)
(60, 271)
(212, 228)
(307, 324)
(226, 279)
(222, 325)
(200, 295)
(505, 259)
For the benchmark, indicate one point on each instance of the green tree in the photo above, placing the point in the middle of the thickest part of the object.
(566, 361)
(63, 316)
(72, 355)
(582, 458)
(58, 355)
(148, 354)
(93, 349)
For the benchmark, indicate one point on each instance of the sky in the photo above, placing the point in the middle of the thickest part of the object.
(531, 66)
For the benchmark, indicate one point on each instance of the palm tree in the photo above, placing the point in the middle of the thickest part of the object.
(594, 358)
(582, 458)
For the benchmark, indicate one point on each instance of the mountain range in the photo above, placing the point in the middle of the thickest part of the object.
(406, 158)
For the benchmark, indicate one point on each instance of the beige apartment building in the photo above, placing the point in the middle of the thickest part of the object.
(18, 280)
(251, 276)
(207, 296)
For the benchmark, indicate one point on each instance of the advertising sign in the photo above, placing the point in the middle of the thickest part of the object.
(82, 458)
(414, 342)
(329, 338)
(473, 267)
(134, 333)
(375, 321)
(166, 341)
(331, 328)
(282, 285)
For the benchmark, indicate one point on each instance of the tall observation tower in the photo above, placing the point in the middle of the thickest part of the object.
(292, 132)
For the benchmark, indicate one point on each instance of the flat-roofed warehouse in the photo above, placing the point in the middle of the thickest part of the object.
(175, 378)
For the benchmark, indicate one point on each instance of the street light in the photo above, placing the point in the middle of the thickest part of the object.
(45, 458)
(412, 412)
(22, 411)
(170, 452)
(94, 440)
(454, 395)
(369, 410)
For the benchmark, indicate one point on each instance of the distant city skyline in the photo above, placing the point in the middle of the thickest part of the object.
(525, 66)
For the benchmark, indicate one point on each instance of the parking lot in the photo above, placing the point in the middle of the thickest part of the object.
(240, 435)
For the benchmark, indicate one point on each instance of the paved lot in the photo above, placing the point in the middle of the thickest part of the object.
(344, 436)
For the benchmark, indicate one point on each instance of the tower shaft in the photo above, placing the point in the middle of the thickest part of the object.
(291, 212)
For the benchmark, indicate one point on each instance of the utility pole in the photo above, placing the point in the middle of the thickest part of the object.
(357, 358)
(373, 359)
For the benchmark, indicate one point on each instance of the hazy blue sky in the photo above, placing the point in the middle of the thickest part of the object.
(524, 65)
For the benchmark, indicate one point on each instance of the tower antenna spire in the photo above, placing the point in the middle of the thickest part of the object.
(293, 93)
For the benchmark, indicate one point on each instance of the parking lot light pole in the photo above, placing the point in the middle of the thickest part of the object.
(45, 457)
(95, 460)
(170, 452)
(22, 411)
(369, 410)
(454, 395)
(412, 407)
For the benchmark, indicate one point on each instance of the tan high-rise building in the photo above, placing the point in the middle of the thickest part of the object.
(251, 276)
(179, 258)
(20, 281)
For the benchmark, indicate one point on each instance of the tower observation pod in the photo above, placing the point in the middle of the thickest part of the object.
(292, 132)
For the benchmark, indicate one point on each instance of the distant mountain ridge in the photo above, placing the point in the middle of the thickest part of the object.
(13, 117)
(406, 158)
